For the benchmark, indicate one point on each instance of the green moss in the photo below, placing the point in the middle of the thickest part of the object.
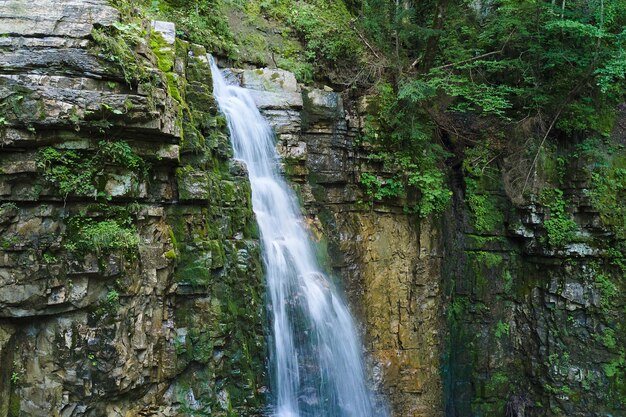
(163, 52)
(166, 57)
(608, 188)
(485, 207)
(499, 381)
(486, 212)
(118, 44)
(607, 338)
(508, 281)
(502, 329)
(608, 291)
(616, 366)
(14, 405)
(488, 259)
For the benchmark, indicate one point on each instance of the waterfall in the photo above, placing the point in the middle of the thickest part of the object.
(317, 366)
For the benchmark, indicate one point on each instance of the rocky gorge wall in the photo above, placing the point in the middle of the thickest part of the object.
(499, 308)
(130, 273)
(534, 294)
(130, 278)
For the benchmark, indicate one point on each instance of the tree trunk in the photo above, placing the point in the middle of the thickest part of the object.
(433, 41)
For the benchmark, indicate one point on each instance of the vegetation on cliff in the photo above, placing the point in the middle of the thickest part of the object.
(442, 71)
(514, 96)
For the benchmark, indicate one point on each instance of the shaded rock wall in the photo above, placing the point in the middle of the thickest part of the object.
(496, 310)
(534, 297)
(130, 278)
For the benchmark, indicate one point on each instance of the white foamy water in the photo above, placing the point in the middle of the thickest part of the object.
(316, 361)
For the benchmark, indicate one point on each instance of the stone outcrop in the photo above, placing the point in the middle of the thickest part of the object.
(130, 277)
(484, 313)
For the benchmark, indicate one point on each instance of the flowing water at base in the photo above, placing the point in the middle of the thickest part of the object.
(316, 360)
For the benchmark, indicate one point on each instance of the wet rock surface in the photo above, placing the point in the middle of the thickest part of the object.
(462, 316)
(532, 321)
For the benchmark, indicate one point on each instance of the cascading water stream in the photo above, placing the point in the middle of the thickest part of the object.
(316, 354)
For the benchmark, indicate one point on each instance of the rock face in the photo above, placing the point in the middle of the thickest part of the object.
(497, 310)
(130, 277)
(534, 299)
(388, 263)
(130, 273)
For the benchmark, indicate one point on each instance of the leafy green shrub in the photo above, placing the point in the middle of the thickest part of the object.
(303, 71)
(324, 27)
(559, 226)
(68, 170)
(380, 189)
(400, 132)
(120, 153)
(502, 329)
(89, 235)
(76, 172)
(107, 235)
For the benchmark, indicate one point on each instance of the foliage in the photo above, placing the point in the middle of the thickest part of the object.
(502, 329)
(401, 132)
(560, 228)
(486, 213)
(68, 170)
(537, 49)
(303, 71)
(615, 367)
(510, 60)
(608, 192)
(198, 21)
(120, 153)
(106, 235)
(118, 44)
(608, 290)
(103, 228)
(380, 189)
(322, 27)
(107, 307)
(75, 172)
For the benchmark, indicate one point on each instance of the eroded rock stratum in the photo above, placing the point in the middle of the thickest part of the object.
(130, 280)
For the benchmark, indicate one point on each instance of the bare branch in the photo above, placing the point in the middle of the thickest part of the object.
(532, 166)
(364, 40)
(475, 57)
